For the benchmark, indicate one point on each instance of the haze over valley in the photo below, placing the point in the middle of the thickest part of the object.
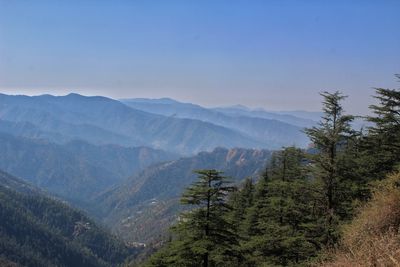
(199, 133)
(117, 159)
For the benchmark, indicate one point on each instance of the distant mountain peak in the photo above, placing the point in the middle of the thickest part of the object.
(74, 95)
(239, 106)
(163, 100)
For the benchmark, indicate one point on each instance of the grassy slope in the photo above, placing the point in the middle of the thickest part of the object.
(373, 237)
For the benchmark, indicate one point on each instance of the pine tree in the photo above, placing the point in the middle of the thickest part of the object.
(283, 208)
(382, 144)
(204, 237)
(259, 201)
(250, 232)
(240, 202)
(330, 138)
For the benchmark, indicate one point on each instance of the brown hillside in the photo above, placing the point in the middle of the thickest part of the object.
(373, 237)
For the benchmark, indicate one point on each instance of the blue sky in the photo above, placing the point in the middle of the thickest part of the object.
(272, 54)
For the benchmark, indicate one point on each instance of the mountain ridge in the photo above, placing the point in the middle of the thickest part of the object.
(109, 121)
(275, 131)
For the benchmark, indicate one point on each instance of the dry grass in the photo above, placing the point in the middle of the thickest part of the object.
(373, 237)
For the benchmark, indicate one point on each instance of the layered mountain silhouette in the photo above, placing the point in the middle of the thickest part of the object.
(272, 129)
(168, 107)
(168, 125)
(101, 120)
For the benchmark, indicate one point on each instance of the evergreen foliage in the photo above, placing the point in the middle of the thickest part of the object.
(240, 201)
(283, 229)
(36, 230)
(382, 144)
(204, 237)
(330, 138)
(300, 203)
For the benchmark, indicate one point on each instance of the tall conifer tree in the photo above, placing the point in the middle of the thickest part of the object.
(383, 139)
(204, 237)
(330, 138)
(284, 212)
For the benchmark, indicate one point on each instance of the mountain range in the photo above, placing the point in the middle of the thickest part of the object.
(101, 120)
(169, 107)
(126, 162)
(272, 129)
(172, 127)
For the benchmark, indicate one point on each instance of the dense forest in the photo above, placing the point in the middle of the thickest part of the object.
(308, 206)
(36, 230)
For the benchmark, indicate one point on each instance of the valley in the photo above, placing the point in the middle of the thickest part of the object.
(199, 133)
(126, 163)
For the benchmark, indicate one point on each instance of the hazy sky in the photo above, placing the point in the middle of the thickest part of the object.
(272, 54)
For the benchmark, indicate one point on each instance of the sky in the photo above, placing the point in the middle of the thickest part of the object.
(274, 54)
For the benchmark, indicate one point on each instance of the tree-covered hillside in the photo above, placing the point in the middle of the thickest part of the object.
(36, 230)
(305, 204)
(76, 170)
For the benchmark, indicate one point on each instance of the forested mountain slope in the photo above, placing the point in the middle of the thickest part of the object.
(305, 205)
(76, 170)
(36, 230)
